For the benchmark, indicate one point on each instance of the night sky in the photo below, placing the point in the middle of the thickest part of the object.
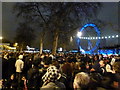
(108, 14)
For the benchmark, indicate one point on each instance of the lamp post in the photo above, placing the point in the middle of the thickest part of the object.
(79, 34)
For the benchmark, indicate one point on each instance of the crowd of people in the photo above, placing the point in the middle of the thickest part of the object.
(26, 71)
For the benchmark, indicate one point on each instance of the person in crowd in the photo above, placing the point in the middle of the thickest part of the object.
(5, 67)
(11, 64)
(77, 68)
(113, 60)
(23, 83)
(42, 71)
(81, 81)
(67, 70)
(99, 67)
(96, 59)
(51, 78)
(46, 63)
(19, 64)
(95, 80)
(109, 67)
(11, 83)
(34, 76)
(116, 67)
(27, 64)
(108, 80)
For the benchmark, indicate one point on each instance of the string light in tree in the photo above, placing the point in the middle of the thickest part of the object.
(103, 37)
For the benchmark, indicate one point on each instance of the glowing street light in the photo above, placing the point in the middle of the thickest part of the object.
(79, 34)
(1, 38)
(15, 44)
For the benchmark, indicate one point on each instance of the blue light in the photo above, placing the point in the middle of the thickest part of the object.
(98, 35)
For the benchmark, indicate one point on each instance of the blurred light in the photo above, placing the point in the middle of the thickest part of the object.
(109, 37)
(99, 37)
(71, 39)
(105, 37)
(113, 36)
(60, 49)
(79, 34)
(1, 38)
(116, 35)
(15, 44)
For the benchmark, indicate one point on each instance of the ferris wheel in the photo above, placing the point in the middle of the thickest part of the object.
(91, 47)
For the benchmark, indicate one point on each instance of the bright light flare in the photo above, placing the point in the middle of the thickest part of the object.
(79, 34)
(1, 38)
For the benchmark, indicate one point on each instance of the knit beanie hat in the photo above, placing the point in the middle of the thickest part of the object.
(51, 75)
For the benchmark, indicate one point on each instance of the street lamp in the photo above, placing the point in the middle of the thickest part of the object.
(1, 37)
(79, 34)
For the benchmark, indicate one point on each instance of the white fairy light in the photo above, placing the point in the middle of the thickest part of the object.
(116, 35)
(113, 36)
(105, 36)
(109, 37)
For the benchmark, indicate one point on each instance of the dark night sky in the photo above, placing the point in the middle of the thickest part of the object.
(108, 13)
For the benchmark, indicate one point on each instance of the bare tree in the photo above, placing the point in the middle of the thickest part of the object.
(24, 36)
(57, 17)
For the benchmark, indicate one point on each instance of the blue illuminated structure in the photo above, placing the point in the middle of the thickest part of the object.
(97, 42)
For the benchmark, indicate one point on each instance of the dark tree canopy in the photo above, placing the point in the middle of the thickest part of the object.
(57, 17)
(24, 35)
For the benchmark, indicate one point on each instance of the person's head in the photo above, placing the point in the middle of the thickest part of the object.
(81, 81)
(12, 77)
(116, 67)
(23, 78)
(47, 60)
(102, 63)
(20, 56)
(51, 75)
(96, 57)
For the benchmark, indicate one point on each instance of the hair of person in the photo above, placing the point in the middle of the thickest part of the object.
(81, 79)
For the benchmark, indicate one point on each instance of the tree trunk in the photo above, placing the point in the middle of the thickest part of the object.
(55, 41)
(21, 47)
(41, 45)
